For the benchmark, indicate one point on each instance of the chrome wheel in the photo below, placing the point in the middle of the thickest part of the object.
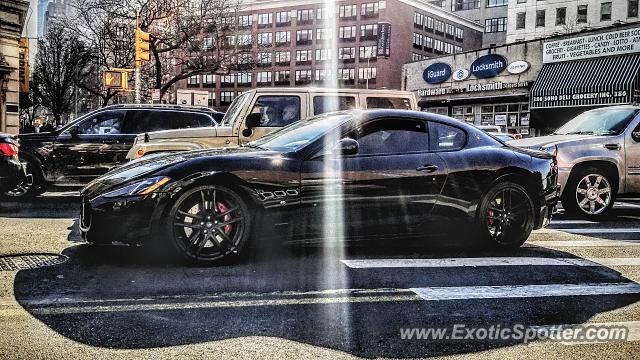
(508, 215)
(593, 194)
(209, 223)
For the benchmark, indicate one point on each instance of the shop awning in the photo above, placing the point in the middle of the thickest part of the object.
(601, 81)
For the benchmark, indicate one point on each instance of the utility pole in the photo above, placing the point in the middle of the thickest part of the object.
(142, 53)
(137, 72)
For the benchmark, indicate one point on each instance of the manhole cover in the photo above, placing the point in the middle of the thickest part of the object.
(32, 261)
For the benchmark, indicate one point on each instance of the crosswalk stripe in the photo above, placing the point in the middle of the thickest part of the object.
(524, 291)
(590, 230)
(563, 222)
(584, 243)
(487, 261)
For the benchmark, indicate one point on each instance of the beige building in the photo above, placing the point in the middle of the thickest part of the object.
(12, 19)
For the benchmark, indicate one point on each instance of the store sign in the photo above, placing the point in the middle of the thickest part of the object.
(437, 73)
(460, 74)
(471, 88)
(585, 98)
(384, 39)
(488, 66)
(592, 46)
(501, 120)
(518, 67)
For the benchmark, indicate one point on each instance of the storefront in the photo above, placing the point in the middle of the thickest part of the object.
(532, 87)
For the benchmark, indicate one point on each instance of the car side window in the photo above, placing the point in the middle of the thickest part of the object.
(109, 122)
(141, 121)
(375, 102)
(445, 137)
(392, 136)
(182, 120)
(325, 104)
(277, 110)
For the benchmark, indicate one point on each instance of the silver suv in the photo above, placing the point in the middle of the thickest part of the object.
(598, 156)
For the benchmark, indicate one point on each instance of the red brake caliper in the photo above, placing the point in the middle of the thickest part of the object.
(222, 208)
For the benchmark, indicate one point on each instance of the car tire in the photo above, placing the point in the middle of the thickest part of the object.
(589, 193)
(505, 216)
(32, 187)
(204, 234)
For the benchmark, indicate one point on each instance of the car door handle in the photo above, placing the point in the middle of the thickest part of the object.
(612, 146)
(427, 168)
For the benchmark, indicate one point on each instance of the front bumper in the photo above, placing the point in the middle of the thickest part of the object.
(548, 203)
(130, 220)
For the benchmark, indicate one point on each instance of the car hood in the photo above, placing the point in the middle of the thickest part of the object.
(147, 165)
(208, 131)
(535, 143)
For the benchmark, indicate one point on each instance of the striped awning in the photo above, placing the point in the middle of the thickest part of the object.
(601, 81)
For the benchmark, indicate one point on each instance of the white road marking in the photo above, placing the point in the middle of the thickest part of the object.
(589, 230)
(524, 291)
(584, 243)
(487, 261)
(563, 222)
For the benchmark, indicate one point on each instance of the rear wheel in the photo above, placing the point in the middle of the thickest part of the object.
(505, 216)
(209, 224)
(589, 193)
(32, 186)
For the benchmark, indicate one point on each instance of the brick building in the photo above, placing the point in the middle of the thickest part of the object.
(292, 44)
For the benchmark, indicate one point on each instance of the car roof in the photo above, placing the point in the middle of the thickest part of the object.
(372, 114)
(161, 107)
(329, 90)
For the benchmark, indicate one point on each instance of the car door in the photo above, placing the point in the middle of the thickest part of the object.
(277, 111)
(89, 148)
(389, 186)
(632, 157)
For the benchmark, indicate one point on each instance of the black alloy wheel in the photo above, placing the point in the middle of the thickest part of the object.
(209, 223)
(32, 186)
(506, 215)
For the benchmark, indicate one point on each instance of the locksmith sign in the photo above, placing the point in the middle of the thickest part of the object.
(592, 46)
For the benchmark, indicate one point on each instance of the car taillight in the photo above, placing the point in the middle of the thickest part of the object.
(8, 149)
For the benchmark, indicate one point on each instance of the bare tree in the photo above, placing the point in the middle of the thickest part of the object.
(60, 55)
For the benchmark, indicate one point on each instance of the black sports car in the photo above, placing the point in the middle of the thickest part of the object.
(365, 172)
(12, 172)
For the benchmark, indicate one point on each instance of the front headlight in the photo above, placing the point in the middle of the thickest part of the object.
(141, 187)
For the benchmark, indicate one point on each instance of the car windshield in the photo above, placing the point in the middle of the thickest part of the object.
(234, 110)
(598, 122)
(297, 135)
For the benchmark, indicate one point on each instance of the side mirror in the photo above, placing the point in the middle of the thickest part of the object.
(346, 146)
(635, 135)
(74, 131)
(253, 120)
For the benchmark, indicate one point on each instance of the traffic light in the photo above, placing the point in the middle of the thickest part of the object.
(142, 45)
(115, 79)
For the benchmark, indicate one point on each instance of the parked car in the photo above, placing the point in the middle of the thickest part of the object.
(11, 170)
(258, 112)
(96, 142)
(400, 172)
(598, 156)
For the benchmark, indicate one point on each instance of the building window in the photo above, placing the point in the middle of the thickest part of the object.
(283, 57)
(632, 8)
(347, 75)
(582, 14)
(304, 37)
(303, 76)
(228, 80)
(212, 99)
(265, 39)
(347, 33)
(265, 20)
(282, 77)
(283, 18)
(418, 40)
(367, 73)
(347, 54)
(324, 34)
(561, 16)
(321, 74)
(208, 80)
(226, 97)
(465, 5)
(305, 16)
(429, 24)
(245, 20)
(495, 25)
(283, 37)
(428, 43)
(323, 54)
(193, 81)
(416, 57)
(438, 47)
(303, 57)
(605, 11)
(368, 52)
(229, 41)
(263, 78)
(439, 27)
(368, 32)
(244, 79)
(347, 12)
(494, 3)
(459, 34)
(521, 20)
(369, 10)
(418, 20)
(244, 40)
(540, 17)
(265, 59)
(321, 14)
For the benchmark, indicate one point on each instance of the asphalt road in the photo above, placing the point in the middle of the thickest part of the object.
(319, 300)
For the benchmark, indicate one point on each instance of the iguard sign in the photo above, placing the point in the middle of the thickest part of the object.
(437, 73)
